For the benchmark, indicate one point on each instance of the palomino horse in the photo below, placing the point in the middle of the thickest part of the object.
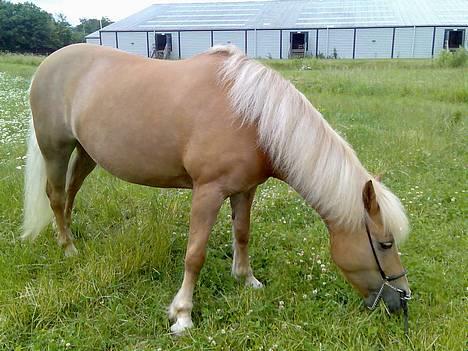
(220, 124)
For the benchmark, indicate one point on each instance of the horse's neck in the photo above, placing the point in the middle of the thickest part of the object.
(337, 198)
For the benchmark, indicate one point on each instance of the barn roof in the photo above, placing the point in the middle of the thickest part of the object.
(295, 14)
(93, 35)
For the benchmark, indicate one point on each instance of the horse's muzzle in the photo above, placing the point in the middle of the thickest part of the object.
(392, 298)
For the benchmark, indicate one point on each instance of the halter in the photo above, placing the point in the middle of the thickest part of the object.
(386, 279)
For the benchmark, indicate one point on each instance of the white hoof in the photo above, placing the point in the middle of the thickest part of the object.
(71, 251)
(182, 324)
(251, 281)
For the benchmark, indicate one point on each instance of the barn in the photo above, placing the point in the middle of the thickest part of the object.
(282, 29)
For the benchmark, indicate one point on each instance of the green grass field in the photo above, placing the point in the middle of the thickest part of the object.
(405, 119)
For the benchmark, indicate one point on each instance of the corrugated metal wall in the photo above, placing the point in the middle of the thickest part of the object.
(263, 43)
(108, 39)
(422, 42)
(340, 40)
(403, 47)
(408, 42)
(192, 43)
(133, 42)
(374, 43)
(312, 39)
(286, 43)
(236, 38)
(93, 41)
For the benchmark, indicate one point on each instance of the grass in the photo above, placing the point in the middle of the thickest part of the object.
(405, 119)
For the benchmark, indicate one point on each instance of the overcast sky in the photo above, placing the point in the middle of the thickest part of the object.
(115, 10)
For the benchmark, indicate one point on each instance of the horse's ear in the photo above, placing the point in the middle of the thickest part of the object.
(378, 177)
(369, 198)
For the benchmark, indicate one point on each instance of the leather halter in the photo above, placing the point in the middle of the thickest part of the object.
(386, 279)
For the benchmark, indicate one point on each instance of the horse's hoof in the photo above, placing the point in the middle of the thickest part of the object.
(71, 251)
(179, 327)
(253, 282)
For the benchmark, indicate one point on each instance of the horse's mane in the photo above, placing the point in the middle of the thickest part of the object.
(316, 161)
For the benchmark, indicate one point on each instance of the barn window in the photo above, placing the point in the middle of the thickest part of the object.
(163, 40)
(162, 47)
(298, 41)
(454, 38)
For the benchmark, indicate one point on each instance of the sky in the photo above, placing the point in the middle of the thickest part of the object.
(115, 10)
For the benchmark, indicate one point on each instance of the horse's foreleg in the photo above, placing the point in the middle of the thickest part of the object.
(206, 202)
(241, 204)
(82, 165)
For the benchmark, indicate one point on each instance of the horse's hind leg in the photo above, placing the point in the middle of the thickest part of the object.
(56, 160)
(241, 204)
(81, 166)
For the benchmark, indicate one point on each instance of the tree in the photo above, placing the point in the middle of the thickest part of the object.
(64, 33)
(25, 27)
(90, 25)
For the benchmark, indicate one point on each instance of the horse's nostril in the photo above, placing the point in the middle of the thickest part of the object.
(406, 294)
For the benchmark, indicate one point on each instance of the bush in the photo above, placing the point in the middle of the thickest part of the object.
(457, 58)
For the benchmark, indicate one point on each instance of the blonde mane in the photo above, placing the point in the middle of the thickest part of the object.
(316, 161)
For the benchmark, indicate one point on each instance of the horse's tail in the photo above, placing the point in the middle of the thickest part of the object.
(37, 211)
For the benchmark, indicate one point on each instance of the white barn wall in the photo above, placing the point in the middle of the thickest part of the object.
(403, 47)
(175, 43)
(192, 43)
(423, 42)
(133, 42)
(286, 43)
(108, 39)
(342, 41)
(370, 42)
(236, 38)
(268, 43)
(374, 43)
(95, 41)
(312, 38)
(322, 42)
(439, 39)
(339, 39)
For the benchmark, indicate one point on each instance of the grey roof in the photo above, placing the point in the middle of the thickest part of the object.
(295, 14)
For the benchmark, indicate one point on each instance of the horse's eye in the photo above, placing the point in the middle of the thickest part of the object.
(386, 245)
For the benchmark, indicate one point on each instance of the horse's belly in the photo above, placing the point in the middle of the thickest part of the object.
(157, 172)
(150, 157)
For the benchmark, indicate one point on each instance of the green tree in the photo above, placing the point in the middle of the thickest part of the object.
(25, 27)
(63, 31)
(90, 25)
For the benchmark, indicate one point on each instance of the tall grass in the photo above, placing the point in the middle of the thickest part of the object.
(406, 119)
(20, 59)
(457, 58)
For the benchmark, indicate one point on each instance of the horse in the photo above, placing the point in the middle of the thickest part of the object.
(220, 124)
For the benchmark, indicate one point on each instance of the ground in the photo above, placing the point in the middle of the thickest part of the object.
(405, 119)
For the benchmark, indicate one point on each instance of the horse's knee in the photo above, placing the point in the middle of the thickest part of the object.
(194, 260)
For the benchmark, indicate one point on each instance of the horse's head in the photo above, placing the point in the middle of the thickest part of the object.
(375, 271)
